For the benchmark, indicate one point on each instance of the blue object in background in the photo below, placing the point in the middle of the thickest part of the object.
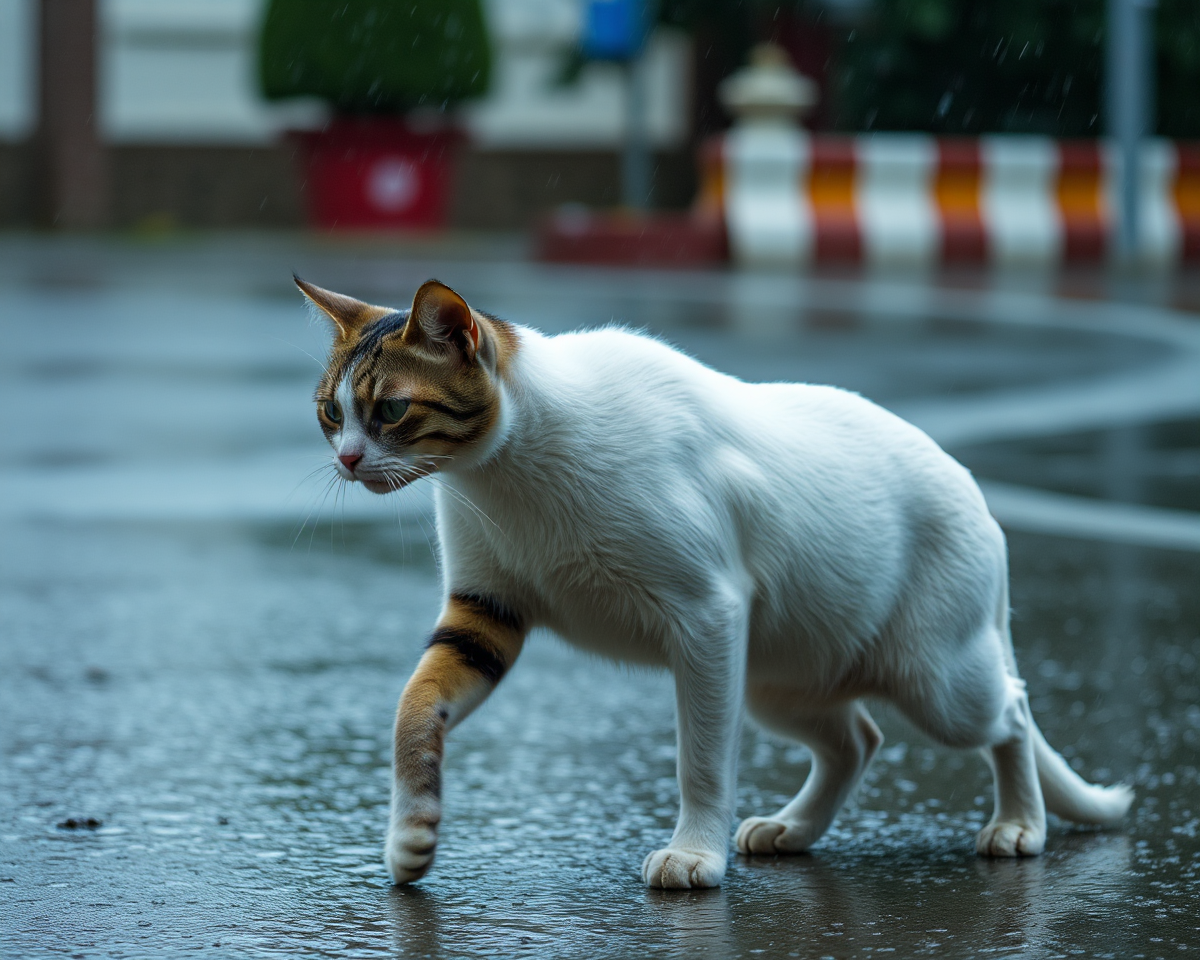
(614, 29)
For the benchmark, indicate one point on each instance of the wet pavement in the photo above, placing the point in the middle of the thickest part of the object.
(1156, 463)
(198, 653)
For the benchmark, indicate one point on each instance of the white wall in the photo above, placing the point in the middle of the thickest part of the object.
(18, 61)
(183, 71)
(525, 108)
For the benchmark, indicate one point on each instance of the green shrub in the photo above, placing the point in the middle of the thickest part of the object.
(1005, 66)
(375, 56)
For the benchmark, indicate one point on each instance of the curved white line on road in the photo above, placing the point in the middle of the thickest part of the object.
(1041, 511)
(1160, 392)
(1155, 391)
(1152, 391)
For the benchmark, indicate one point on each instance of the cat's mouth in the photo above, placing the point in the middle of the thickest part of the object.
(387, 483)
(383, 486)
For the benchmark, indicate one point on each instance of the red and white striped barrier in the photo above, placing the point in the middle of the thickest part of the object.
(790, 197)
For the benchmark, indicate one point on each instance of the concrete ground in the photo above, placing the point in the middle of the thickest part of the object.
(201, 646)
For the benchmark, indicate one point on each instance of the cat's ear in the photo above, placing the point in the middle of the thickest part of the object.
(346, 314)
(442, 316)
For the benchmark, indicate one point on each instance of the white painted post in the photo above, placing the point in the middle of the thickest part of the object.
(1018, 200)
(897, 212)
(767, 212)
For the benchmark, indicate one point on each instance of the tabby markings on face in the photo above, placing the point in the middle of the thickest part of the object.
(408, 391)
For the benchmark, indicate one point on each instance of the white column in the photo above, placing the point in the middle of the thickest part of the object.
(1019, 204)
(897, 215)
(767, 211)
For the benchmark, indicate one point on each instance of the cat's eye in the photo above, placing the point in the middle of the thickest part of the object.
(391, 410)
(333, 413)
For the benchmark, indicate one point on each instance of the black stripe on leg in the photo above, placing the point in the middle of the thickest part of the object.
(491, 608)
(473, 650)
(427, 778)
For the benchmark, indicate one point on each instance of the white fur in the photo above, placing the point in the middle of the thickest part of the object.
(781, 547)
(350, 438)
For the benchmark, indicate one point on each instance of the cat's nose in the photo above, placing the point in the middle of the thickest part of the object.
(349, 460)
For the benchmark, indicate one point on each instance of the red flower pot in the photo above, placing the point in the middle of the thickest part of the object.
(376, 173)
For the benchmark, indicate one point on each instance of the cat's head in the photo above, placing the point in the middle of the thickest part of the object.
(409, 392)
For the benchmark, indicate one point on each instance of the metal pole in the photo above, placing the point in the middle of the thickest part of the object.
(635, 160)
(71, 155)
(1130, 116)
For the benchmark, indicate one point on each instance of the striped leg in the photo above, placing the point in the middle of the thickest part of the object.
(476, 641)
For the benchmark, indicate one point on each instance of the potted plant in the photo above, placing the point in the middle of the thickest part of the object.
(380, 66)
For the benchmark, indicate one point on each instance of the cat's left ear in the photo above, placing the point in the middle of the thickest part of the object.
(347, 314)
(442, 316)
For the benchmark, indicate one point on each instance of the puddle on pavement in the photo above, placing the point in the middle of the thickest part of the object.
(222, 703)
(1155, 463)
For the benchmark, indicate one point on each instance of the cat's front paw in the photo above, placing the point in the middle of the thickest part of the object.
(409, 850)
(762, 835)
(1007, 838)
(674, 869)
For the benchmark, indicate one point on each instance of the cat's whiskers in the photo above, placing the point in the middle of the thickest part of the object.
(320, 363)
(330, 488)
(406, 551)
(431, 542)
(466, 501)
(308, 476)
(396, 479)
(340, 496)
(429, 472)
(402, 475)
(323, 494)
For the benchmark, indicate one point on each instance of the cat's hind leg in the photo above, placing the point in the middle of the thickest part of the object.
(843, 739)
(1018, 824)
(971, 699)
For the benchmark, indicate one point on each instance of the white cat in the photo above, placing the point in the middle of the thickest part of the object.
(782, 548)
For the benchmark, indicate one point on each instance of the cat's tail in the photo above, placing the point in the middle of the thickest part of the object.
(1070, 796)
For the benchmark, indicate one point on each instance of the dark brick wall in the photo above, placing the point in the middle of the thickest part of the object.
(18, 187)
(507, 189)
(196, 186)
(204, 186)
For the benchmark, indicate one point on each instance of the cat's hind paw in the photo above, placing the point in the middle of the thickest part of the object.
(674, 869)
(1008, 838)
(762, 835)
(409, 851)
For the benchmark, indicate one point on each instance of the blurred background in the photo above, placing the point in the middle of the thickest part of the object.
(162, 114)
(982, 215)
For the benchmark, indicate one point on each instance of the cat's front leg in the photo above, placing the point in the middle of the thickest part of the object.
(476, 640)
(709, 683)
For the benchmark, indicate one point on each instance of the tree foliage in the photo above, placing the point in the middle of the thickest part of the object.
(965, 66)
(1178, 73)
(1005, 66)
(375, 56)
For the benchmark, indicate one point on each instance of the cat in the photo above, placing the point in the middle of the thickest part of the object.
(785, 549)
